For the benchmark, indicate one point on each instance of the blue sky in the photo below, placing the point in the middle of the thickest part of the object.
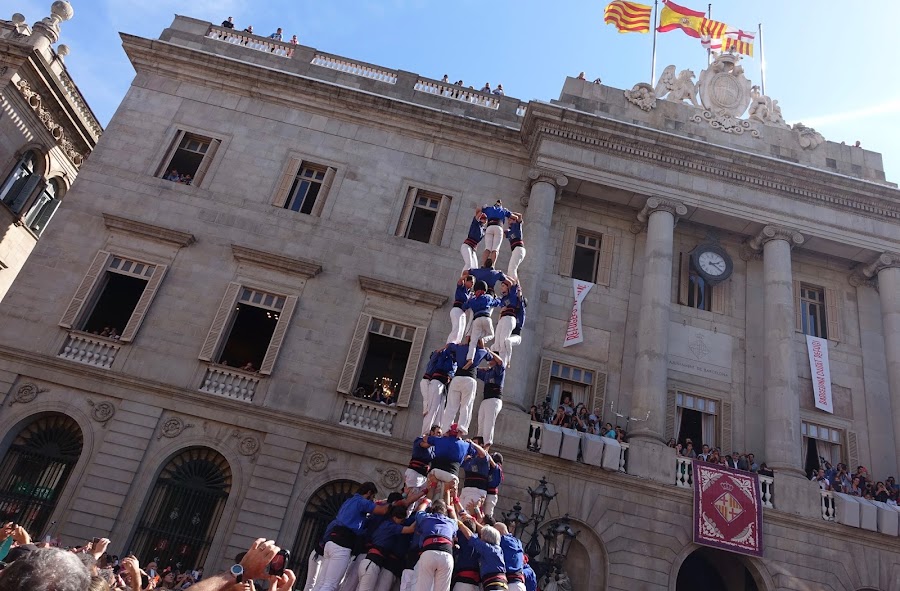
(829, 69)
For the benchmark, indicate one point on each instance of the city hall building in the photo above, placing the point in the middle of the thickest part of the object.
(224, 327)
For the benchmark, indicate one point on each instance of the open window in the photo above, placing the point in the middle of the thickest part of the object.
(21, 182)
(304, 187)
(822, 444)
(587, 256)
(248, 329)
(44, 207)
(114, 296)
(559, 382)
(424, 216)
(817, 311)
(189, 158)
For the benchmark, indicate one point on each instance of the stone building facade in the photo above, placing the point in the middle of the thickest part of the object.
(317, 241)
(47, 130)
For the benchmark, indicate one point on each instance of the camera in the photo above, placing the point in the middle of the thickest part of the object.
(278, 564)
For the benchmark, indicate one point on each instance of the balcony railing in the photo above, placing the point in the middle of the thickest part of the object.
(827, 505)
(251, 41)
(572, 445)
(368, 416)
(333, 63)
(459, 93)
(90, 350)
(228, 382)
(684, 478)
(861, 513)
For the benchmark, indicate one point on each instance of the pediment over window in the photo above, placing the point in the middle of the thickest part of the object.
(277, 262)
(149, 231)
(392, 289)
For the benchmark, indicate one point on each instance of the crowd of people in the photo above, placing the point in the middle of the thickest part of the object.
(486, 88)
(278, 35)
(577, 417)
(176, 177)
(838, 478)
(714, 455)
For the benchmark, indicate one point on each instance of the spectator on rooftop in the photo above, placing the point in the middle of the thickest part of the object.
(487, 87)
(276, 35)
(499, 90)
(249, 29)
(581, 76)
(445, 79)
(228, 24)
(294, 40)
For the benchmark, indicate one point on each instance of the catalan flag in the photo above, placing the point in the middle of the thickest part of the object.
(628, 17)
(739, 41)
(693, 23)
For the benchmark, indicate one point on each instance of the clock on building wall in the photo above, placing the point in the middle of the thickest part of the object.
(711, 262)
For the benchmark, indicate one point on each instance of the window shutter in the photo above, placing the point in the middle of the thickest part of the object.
(353, 355)
(599, 393)
(407, 211)
(287, 181)
(284, 320)
(798, 321)
(207, 160)
(727, 430)
(440, 221)
(137, 316)
(220, 321)
(412, 367)
(95, 271)
(718, 298)
(324, 191)
(670, 414)
(852, 450)
(684, 273)
(167, 159)
(543, 381)
(567, 251)
(604, 266)
(833, 314)
(18, 204)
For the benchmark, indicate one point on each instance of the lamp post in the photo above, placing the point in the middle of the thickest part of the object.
(548, 557)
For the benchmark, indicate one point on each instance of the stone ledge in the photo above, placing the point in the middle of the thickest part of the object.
(150, 231)
(410, 295)
(277, 262)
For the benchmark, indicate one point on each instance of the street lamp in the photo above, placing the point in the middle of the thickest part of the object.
(516, 521)
(540, 499)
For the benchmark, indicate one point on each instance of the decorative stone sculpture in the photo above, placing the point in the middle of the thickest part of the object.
(810, 139)
(26, 393)
(677, 88)
(723, 87)
(642, 95)
(764, 109)
(102, 411)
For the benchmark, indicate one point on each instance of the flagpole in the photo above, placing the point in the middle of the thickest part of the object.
(762, 61)
(653, 59)
(709, 49)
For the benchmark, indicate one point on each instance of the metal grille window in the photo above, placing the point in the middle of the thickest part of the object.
(321, 508)
(586, 257)
(182, 512)
(812, 311)
(306, 188)
(35, 469)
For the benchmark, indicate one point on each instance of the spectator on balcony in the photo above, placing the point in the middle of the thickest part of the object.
(863, 474)
(881, 492)
(704, 453)
(891, 484)
(855, 488)
(294, 40)
(714, 457)
(764, 470)
(731, 460)
(841, 481)
(671, 442)
(249, 29)
(229, 23)
(621, 436)
(688, 450)
(567, 403)
(608, 431)
(751, 462)
(173, 176)
(445, 79)
(499, 90)
(487, 87)
(820, 479)
(678, 449)
(277, 36)
(560, 417)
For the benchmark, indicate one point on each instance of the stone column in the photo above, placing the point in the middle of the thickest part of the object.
(648, 456)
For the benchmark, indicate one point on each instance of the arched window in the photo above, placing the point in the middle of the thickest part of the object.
(20, 183)
(321, 508)
(44, 207)
(35, 469)
(183, 510)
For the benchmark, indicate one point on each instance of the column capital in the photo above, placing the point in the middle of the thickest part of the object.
(542, 175)
(654, 204)
(867, 274)
(753, 247)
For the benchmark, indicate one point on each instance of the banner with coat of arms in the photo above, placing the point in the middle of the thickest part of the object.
(727, 509)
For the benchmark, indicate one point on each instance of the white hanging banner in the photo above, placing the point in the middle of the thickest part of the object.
(574, 334)
(821, 372)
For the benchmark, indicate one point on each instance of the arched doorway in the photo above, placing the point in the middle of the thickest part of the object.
(35, 469)
(715, 570)
(321, 508)
(182, 512)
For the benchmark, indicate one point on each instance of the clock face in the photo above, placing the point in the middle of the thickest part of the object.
(712, 263)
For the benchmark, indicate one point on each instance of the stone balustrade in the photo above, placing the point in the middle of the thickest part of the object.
(767, 490)
(368, 416)
(520, 110)
(827, 505)
(348, 67)
(251, 41)
(459, 93)
(684, 478)
(229, 382)
(90, 349)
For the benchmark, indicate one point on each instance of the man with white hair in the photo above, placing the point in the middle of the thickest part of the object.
(513, 557)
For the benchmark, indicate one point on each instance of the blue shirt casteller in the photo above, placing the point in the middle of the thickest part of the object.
(496, 213)
(490, 557)
(520, 316)
(429, 367)
(493, 378)
(513, 555)
(511, 301)
(353, 512)
(446, 363)
(514, 235)
(481, 305)
(477, 469)
(430, 525)
(466, 558)
(421, 457)
(461, 295)
(488, 275)
(530, 578)
(495, 479)
(383, 536)
(476, 234)
(461, 350)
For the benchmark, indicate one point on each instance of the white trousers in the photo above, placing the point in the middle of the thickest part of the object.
(487, 418)
(515, 259)
(334, 564)
(457, 325)
(374, 578)
(470, 258)
(434, 406)
(351, 578)
(460, 398)
(312, 570)
(482, 328)
(490, 502)
(505, 326)
(465, 587)
(423, 389)
(412, 479)
(434, 571)
(470, 495)
(408, 580)
(516, 586)
(493, 237)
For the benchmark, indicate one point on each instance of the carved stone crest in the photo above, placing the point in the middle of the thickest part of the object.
(641, 95)
(723, 86)
(317, 461)
(248, 445)
(102, 411)
(173, 427)
(391, 478)
(26, 393)
(724, 121)
(51, 123)
(810, 139)
(676, 88)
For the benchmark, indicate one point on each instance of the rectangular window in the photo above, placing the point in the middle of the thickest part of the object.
(587, 256)
(304, 186)
(424, 216)
(114, 297)
(821, 444)
(696, 419)
(695, 292)
(564, 384)
(248, 329)
(812, 311)
(189, 158)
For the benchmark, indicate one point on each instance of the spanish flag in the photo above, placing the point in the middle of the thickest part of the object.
(628, 17)
(695, 24)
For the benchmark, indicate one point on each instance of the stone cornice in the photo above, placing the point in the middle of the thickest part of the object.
(754, 246)
(276, 262)
(654, 204)
(721, 163)
(410, 295)
(150, 231)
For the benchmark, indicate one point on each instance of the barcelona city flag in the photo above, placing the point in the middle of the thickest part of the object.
(628, 17)
(695, 24)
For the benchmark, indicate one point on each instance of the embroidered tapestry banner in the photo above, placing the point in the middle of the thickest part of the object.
(727, 509)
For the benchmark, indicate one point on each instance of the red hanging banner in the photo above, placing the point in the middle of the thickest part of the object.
(727, 509)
